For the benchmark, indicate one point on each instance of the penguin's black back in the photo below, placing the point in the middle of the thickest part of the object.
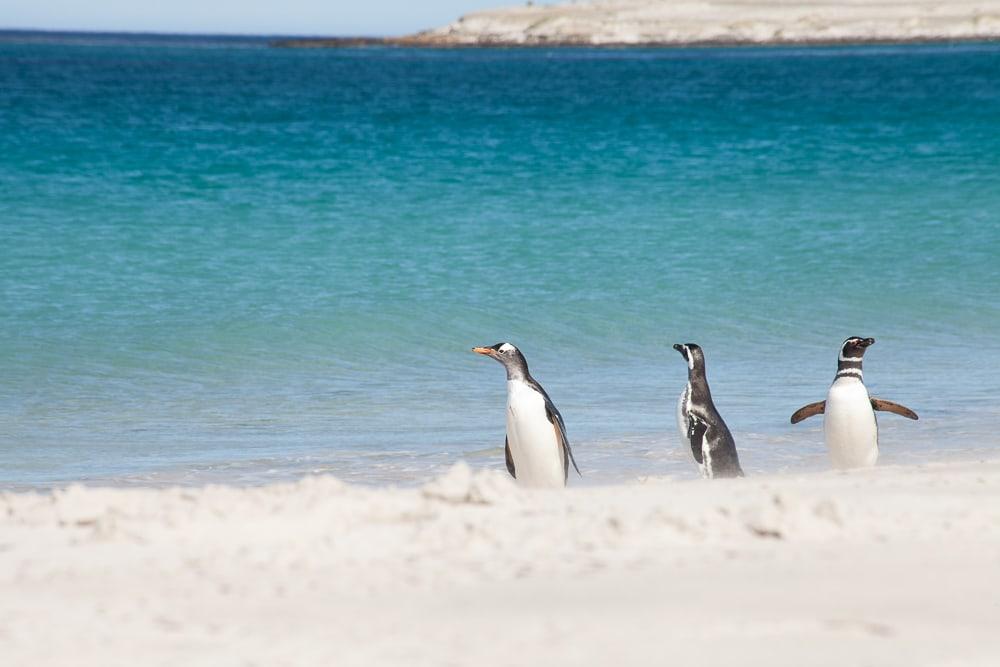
(715, 435)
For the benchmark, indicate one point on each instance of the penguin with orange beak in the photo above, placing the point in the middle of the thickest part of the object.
(537, 450)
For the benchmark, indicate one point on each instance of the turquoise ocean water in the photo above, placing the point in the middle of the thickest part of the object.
(225, 262)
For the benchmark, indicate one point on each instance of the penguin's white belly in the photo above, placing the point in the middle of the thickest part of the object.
(536, 451)
(682, 427)
(849, 426)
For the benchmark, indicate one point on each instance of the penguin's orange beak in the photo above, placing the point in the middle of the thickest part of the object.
(488, 351)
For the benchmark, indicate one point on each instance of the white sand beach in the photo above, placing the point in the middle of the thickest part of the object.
(722, 21)
(890, 566)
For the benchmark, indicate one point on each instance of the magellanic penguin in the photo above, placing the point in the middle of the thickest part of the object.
(537, 450)
(700, 424)
(849, 425)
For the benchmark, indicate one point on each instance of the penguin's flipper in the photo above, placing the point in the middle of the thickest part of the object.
(696, 435)
(807, 411)
(889, 406)
(560, 428)
(510, 459)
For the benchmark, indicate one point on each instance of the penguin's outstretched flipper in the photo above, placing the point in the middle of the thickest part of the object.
(510, 459)
(889, 406)
(807, 411)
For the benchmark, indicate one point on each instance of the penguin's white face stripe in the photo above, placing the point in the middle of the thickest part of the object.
(690, 357)
(507, 347)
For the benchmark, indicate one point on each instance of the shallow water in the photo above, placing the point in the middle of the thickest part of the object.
(224, 262)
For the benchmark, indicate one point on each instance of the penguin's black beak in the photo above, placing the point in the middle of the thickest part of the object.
(680, 348)
(867, 342)
(488, 351)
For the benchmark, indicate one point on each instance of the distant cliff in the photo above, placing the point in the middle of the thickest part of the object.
(668, 22)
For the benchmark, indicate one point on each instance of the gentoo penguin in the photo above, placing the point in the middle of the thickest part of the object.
(849, 425)
(537, 451)
(700, 424)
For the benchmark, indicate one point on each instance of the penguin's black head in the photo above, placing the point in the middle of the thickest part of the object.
(508, 355)
(854, 347)
(692, 354)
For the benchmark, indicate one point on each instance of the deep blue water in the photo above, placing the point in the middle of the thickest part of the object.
(225, 262)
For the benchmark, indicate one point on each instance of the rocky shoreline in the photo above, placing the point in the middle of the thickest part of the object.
(649, 23)
(413, 42)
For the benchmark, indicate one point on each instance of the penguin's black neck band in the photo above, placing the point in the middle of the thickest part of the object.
(849, 367)
(849, 363)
